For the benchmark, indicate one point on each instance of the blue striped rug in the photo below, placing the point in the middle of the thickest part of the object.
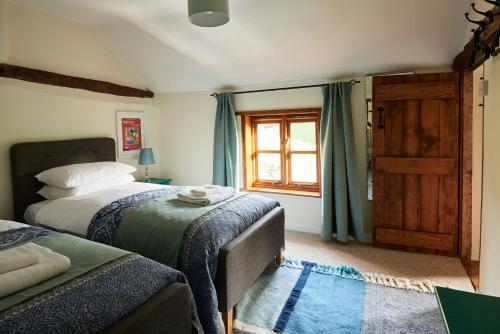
(305, 297)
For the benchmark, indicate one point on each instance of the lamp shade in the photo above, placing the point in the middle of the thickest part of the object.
(208, 13)
(146, 157)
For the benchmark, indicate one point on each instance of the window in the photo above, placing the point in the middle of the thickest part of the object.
(281, 150)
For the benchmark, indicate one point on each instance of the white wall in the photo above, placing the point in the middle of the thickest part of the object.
(187, 121)
(43, 41)
(33, 112)
(3, 44)
(490, 226)
(477, 162)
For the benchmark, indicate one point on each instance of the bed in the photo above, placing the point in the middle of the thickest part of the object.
(104, 290)
(236, 258)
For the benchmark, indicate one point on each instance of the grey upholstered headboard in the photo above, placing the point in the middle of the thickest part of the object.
(29, 159)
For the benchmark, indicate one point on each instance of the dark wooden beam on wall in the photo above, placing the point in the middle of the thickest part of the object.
(461, 61)
(61, 80)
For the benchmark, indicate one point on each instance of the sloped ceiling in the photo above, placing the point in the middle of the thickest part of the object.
(269, 41)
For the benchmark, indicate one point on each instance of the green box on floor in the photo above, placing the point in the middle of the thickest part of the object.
(466, 312)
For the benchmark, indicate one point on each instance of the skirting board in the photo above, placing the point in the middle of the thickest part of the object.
(311, 229)
(303, 228)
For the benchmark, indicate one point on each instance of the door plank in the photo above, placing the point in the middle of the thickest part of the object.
(449, 129)
(378, 199)
(448, 186)
(432, 166)
(411, 128)
(417, 91)
(393, 183)
(393, 129)
(447, 204)
(437, 241)
(393, 215)
(411, 191)
(429, 136)
(429, 185)
(411, 203)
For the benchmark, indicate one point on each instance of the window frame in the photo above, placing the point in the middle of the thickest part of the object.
(249, 122)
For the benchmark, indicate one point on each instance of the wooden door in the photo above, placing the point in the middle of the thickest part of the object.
(416, 162)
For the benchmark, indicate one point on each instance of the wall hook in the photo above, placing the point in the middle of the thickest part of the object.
(481, 24)
(489, 14)
(493, 2)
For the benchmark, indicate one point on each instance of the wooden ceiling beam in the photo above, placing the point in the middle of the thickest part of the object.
(61, 80)
(461, 61)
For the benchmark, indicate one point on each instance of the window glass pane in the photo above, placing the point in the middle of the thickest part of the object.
(304, 168)
(268, 136)
(303, 136)
(269, 166)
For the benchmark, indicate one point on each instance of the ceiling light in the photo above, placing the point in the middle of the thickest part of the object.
(208, 13)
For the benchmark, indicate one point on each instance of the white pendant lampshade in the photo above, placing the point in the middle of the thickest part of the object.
(208, 13)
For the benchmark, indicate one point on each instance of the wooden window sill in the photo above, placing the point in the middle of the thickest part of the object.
(284, 192)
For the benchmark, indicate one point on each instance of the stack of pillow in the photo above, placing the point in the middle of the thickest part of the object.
(80, 179)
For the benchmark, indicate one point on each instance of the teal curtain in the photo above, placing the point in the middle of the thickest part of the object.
(343, 209)
(225, 163)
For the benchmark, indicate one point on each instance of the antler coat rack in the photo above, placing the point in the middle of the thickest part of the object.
(485, 41)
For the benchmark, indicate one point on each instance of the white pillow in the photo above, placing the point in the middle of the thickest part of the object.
(51, 192)
(78, 175)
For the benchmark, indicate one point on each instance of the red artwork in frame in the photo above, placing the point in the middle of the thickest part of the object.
(130, 132)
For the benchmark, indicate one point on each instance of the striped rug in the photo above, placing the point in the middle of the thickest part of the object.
(305, 297)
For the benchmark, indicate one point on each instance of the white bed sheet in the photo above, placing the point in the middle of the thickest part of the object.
(73, 214)
(9, 225)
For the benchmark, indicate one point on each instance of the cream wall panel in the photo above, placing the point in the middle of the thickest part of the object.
(3, 33)
(31, 112)
(490, 226)
(43, 41)
(477, 163)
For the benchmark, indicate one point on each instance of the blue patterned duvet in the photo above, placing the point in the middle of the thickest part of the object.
(200, 241)
(89, 302)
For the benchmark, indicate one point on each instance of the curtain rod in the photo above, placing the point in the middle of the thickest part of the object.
(352, 83)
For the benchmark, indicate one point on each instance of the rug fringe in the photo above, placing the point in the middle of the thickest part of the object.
(241, 326)
(341, 271)
(425, 286)
(292, 263)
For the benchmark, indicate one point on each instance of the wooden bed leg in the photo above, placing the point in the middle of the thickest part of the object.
(227, 318)
(279, 257)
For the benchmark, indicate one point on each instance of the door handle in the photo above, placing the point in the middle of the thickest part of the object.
(381, 117)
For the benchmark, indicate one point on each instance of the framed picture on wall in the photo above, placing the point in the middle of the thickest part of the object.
(130, 132)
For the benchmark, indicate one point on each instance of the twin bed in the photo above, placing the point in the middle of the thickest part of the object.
(104, 290)
(221, 249)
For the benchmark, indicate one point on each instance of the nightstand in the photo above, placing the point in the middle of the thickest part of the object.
(157, 180)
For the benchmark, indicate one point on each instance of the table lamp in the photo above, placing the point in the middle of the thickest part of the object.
(146, 158)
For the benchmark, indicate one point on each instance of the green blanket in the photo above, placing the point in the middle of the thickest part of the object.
(156, 229)
(84, 255)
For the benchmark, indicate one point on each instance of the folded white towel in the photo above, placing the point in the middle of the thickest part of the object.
(17, 258)
(205, 189)
(50, 265)
(211, 196)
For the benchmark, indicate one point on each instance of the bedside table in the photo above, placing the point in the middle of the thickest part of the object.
(157, 180)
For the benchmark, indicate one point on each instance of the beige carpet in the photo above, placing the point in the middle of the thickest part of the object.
(443, 270)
